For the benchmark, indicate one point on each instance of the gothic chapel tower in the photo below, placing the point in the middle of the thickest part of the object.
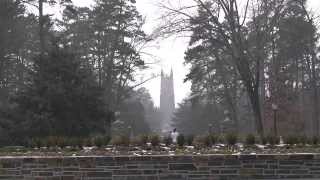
(167, 103)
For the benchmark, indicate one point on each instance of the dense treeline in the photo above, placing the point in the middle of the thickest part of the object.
(246, 57)
(68, 77)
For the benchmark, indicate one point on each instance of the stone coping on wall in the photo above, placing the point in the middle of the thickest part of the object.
(210, 156)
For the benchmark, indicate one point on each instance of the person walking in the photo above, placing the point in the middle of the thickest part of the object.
(174, 136)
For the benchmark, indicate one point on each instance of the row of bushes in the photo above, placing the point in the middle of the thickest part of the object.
(99, 141)
(302, 140)
(209, 140)
(251, 139)
(142, 140)
(62, 142)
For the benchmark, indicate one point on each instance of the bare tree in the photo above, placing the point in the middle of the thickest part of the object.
(312, 62)
(226, 20)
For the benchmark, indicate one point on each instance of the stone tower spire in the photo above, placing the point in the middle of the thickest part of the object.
(172, 89)
(167, 102)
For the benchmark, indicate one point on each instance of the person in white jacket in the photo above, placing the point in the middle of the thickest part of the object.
(174, 135)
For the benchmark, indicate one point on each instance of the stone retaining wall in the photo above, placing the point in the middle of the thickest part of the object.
(204, 167)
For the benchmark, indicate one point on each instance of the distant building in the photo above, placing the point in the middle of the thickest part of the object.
(167, 102)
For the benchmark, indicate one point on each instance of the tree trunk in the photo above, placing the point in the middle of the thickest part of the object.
(262, 92)
(252, 88)
(41, 31)
(2, 88)
(315, 97)
(254, 100)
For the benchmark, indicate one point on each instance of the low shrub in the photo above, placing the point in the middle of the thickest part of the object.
(144, 139)
(250, 140)
(221, 139)
(189, 140)
(303, 139)
(36, 143)
(75, 142)
(87, 142)
(51, 141)
(214, 139)
(135, 141)
(204, 141)
(54, 141)
(315, 140)
(167, 140)
(98, 141)
(231, 139)
(29, 143)
(200, 142)
(106, 140)
(207, 140)
(80, 142)
(155, 140)
(272, 140)
(6, 140)
(61, 142)
(264, 140)
(140, 140)
(180, 140)
(291, 140)
(71, 142)
(120, 140)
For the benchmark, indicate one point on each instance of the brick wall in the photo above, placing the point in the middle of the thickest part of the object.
(162, 167)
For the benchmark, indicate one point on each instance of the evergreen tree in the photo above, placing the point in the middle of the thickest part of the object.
(63, 100)
(12, 39)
